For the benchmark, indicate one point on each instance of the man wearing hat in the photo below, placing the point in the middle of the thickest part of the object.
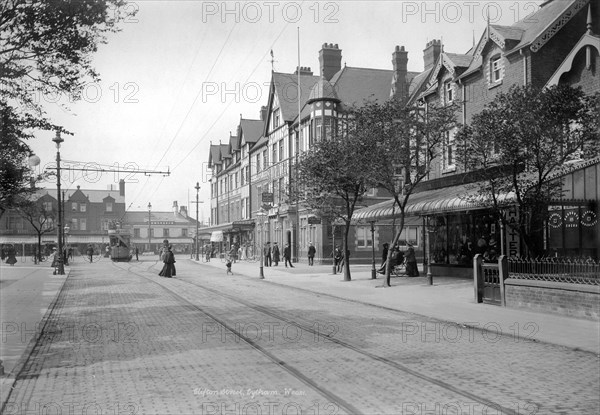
(311, 253)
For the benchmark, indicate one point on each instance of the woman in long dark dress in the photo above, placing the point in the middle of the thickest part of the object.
(12, 258)
(168, 269)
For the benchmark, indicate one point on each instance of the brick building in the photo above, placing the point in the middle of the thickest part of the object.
(557, 44)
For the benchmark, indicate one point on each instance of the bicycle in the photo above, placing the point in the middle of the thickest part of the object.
(41, 258)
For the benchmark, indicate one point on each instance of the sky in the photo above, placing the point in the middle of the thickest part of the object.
(179, 75)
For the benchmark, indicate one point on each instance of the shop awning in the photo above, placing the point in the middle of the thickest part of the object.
(216, 236)
(446, 199)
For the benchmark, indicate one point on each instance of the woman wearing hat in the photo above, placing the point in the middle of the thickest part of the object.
(168, 269)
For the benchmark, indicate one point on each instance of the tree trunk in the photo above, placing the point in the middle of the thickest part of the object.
(388, 268)
(346, 258)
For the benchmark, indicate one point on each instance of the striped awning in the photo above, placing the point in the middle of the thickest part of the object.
(447, 199)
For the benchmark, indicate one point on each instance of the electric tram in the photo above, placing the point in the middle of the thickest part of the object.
(120, 245)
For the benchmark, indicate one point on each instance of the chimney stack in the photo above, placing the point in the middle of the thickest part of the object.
(304, 70)
(330, 60)
(431, 53)
(183, 211)
(400, 64)
(175, 207)
(121, 187)
(263, 113)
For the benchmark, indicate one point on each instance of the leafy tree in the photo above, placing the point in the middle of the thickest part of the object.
(41, 219)
(15, 174)
(46, 47)
(408, 140)
(531, 134)
(334, 175)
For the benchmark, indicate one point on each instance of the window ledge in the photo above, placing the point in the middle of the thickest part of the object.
(495, 84)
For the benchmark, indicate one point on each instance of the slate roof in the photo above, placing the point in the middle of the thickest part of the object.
(286, 87)
(322, 90)
(97, 196)
(529, 28)
(251, 130)
(234, 143)
(214, 156)
(355, 85)
(535, 24)
(225, 151)
(459, 60)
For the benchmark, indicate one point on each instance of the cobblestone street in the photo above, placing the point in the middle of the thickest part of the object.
(121, 339)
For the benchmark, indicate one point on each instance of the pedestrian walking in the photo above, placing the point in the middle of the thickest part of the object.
(311, 253)
(90, 252)
(233, 253)
(276, 254)
(287, 255)
(137, 252)
(228, 265)
(411, 262)
(11, 256)
(168, 270)
(55, 259)
(337, 258)
(267, 254)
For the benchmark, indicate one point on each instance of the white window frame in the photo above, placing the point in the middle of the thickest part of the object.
(496, 69)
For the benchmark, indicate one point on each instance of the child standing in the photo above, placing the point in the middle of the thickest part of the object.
(228, 265)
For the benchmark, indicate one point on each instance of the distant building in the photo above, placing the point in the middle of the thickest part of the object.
(149, 229)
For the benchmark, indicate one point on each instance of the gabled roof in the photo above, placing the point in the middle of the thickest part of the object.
(250, 130)
(97, 196)
(549, 15)
(533, 31)
(225, 153)
(214, 155)
(234, 144)
(587, 40)
(417, 85)
(286, 87)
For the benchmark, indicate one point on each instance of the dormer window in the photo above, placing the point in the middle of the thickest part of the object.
(496, 69)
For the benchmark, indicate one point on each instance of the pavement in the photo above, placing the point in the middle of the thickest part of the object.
(28, 292)
(449, 299)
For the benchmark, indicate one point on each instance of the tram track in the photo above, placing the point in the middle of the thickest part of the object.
(297, 373)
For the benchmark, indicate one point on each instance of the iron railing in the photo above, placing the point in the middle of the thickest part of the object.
(556, 269)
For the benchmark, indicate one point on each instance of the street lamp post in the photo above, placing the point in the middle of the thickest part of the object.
(373, 271)
(261, 215)
(197, 204)
(149, 226)
(430, 230)
(66, 241)
(61, 266)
